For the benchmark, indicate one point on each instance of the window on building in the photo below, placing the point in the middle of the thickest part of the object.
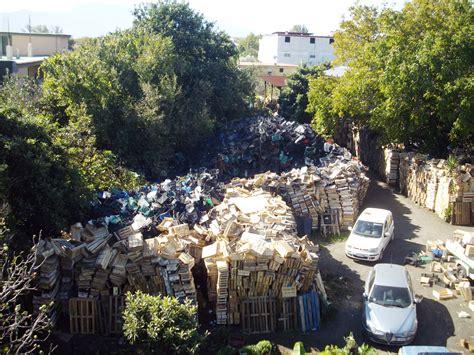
(312, 56)
(287, 39)
(287, 55)
(331, 40)
(281, 70)
(312, 40)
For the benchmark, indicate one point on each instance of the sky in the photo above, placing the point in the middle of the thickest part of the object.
(238, 18)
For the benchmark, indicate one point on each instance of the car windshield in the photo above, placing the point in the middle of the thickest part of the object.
(369, 229)
(390, 296)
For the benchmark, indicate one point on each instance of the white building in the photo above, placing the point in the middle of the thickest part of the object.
(295, 48)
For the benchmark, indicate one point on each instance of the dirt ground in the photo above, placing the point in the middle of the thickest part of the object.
(438, 322)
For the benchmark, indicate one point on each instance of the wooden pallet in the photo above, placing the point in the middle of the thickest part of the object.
(288, 317)
(258, 315)
(115, 309)
(82, 315)
(462, 213)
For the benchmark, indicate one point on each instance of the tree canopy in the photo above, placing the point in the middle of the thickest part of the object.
(248, 46)
(299, 28)
(131, 101)
(410, 74)
(293, 98)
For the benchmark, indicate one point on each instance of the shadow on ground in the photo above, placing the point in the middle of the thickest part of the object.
(380, 196)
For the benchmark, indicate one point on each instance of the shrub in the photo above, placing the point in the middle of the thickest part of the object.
(263, 347)
(161, 323)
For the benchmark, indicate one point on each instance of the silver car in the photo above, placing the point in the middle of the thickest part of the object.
(390, 306)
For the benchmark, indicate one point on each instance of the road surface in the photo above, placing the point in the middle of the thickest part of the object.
(438, 322)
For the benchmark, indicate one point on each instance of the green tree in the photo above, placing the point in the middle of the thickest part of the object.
(293, 98)
(36, 29)
(248, 46)
(299, 28)
(320, 105)
(161, 323)
(410, 73)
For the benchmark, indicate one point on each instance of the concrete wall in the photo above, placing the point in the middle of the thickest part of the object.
(43, 45)
(274, 49)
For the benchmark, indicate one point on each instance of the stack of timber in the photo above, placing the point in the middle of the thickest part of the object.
(255, 253)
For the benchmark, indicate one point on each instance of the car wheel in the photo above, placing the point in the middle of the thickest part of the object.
(381, 255)
(393, 236)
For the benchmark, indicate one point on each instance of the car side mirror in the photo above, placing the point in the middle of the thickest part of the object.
(387, 234)
(418, 298)
(349, 228)
(365, 296)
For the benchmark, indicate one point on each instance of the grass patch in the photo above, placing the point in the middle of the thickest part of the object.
(330, 239)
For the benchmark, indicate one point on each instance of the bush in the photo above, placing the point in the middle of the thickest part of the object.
(263, 347)
(161, 323)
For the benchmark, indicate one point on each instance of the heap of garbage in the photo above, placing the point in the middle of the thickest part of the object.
(258, 144)
(245, 231)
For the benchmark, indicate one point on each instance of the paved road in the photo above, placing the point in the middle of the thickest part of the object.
(438, 324)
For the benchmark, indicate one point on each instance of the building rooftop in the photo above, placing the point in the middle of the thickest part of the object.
(298, 34)
(336, 72)
(267, 64)
(33, 34)
(24, 60)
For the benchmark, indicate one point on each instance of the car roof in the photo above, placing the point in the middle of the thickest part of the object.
(374, 215)
(390, 275)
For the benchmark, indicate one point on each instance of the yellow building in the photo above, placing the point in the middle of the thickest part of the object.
(23, 53)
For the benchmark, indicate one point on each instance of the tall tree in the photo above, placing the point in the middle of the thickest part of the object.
(248, 46)
(299, 28)
(293, 98)
(410, 73)
(35, 29)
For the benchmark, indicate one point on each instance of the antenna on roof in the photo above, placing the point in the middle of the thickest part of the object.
(8, 31)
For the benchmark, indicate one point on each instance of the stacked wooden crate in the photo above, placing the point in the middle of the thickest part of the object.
(338, 188)
(255, 251)
(392, 159)
(49, 281)
(101, 264)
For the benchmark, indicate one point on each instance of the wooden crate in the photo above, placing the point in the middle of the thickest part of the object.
(82, 315)
(258, 315)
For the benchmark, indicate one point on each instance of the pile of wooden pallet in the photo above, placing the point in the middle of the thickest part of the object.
(255, 251)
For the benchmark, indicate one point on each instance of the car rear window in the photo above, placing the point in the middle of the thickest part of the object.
(369, 229)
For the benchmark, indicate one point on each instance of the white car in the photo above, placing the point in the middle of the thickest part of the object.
(370, 236)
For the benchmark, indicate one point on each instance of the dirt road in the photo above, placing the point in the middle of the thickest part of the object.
(439, 323)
